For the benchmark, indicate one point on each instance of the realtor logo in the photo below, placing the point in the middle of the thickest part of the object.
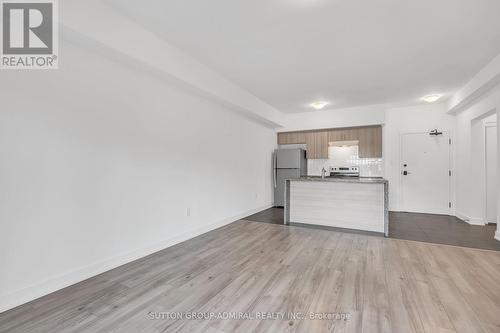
(29, 34)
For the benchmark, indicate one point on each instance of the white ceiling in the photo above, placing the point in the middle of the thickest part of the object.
(350, 52)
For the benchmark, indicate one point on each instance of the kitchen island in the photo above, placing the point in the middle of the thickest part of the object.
(347, 203)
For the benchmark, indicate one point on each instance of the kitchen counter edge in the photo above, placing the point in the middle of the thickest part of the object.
(363, 180)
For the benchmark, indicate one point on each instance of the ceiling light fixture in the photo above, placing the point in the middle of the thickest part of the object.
(319, 105)
(431, 98)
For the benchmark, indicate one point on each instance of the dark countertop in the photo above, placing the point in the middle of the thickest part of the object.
(364, 180)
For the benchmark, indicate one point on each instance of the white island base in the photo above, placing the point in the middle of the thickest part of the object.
(357, 204)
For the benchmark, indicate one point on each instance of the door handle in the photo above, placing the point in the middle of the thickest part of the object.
(406, 173)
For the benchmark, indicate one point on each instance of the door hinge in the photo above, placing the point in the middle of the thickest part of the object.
(449, 173)
(449, 140)
(449, 204)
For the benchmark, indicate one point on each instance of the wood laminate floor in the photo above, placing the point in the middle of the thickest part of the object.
(381, 284)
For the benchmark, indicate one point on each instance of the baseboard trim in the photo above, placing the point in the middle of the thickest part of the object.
(30, 293)
(476, 221)
(462, 217)
(447, 213)
(470, 220)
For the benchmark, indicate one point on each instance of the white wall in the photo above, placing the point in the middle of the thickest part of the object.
(470, 157)
(491, 168)
(422, 118)
(99, 164)
(350, 117)
(476, 192)
(476, 100)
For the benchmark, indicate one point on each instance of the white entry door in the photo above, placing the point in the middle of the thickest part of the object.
(425, 173)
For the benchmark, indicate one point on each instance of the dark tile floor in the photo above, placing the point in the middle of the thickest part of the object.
(442, 229)
(439, 229)
(271, 215)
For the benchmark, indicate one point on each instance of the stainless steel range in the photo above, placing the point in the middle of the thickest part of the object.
(352, 171)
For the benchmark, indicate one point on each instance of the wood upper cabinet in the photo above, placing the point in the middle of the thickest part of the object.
(370, 140)
(287, 138)
(317, 144)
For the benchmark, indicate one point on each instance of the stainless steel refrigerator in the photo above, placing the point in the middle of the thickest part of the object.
(288, 163)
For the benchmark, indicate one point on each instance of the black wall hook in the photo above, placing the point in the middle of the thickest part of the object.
(435, 132)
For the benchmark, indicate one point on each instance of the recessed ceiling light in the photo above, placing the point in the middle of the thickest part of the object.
(319, 105)
(431, 98)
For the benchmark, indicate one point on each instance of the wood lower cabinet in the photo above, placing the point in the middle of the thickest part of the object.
(369, 137)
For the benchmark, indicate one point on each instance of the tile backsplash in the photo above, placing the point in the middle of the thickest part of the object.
(347, 156)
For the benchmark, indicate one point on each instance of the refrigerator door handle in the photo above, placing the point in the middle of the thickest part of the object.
(275, 170)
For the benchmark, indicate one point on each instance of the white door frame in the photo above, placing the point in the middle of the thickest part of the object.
(485, 180)
(451, 199)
